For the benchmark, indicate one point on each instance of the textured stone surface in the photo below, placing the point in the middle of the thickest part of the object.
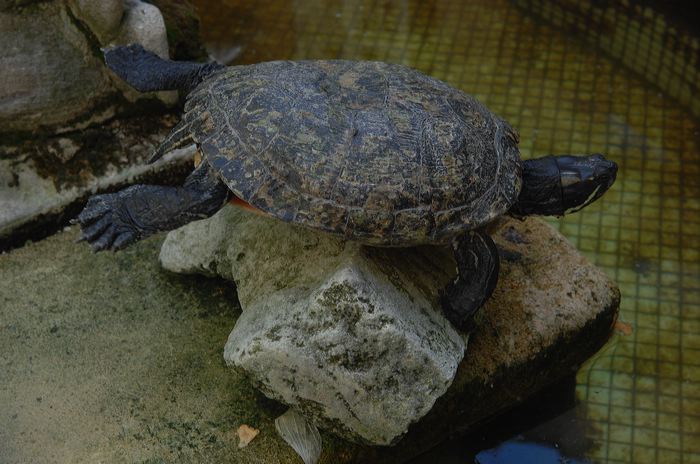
(333, 328)
(51, 73)
(356, 354)
(55, 84)
(547, 293)
(54, 78)
(55, 81)
(182, 23)
(144, 24)
(102, 17)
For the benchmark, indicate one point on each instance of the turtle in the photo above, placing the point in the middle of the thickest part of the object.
(370, 151)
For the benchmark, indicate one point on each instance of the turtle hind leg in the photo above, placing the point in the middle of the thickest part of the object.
(114, 220)
(147, 72)
(477, 265)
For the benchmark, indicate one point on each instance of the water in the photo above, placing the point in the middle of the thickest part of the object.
(639, 399)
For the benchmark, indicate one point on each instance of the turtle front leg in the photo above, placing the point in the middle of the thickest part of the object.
(115, 220)
(477, 265)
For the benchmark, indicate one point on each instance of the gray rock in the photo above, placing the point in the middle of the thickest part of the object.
(55, 83)
(51, 75)
(102, 17)
(338, 330)
(54, 78)
(39, 182)
(351, 336)
(144, 24)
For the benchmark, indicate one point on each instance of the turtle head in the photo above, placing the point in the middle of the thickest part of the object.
(558, 185)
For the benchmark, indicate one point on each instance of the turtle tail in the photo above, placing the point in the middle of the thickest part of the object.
(147, 72)
(180, 136)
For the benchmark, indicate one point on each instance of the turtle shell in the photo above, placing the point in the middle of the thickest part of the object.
(372, 151)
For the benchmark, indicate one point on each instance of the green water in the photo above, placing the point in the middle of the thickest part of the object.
(639, 399)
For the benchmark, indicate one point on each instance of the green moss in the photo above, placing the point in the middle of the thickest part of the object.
(341, 301)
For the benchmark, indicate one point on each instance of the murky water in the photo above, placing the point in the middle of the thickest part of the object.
(639, 399)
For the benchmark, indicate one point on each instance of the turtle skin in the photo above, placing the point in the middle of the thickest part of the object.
(374, 152)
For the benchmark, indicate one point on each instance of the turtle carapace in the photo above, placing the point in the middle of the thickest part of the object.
(374, 152)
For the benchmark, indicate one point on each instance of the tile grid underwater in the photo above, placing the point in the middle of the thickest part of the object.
(641, 393)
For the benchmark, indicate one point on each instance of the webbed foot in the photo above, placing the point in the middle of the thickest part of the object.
(114, 220)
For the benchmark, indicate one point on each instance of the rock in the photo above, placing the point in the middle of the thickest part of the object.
(182, 24)
(144, 24)
(51, 74)
(9, 5)
(103, 17)
(550, 310)
(127, 359)
(54, 78)
(339, 331)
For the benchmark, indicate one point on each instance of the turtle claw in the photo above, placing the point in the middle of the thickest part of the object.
(95, 229)
(105, 240)
(122, 240)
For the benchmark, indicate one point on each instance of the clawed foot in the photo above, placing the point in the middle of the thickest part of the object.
(101, 224)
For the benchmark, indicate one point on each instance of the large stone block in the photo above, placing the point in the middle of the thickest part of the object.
(306, 298)
(55, 78)
(52, 76)
(347, 334)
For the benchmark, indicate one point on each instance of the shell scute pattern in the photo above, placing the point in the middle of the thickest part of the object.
(373, 151)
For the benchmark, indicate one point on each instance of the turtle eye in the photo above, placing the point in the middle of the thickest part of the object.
(569, 178)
